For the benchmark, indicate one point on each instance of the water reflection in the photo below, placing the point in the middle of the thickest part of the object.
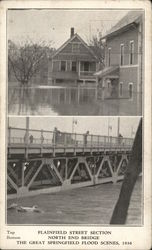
(67, 101)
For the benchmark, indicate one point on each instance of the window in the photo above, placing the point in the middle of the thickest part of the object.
(109, 57)
(86, 66)
(130, 87)
(74, 66)
(63, 65)
(131, 57)
(109, 83)
(120, 88)
(122, 54)
(75, 47)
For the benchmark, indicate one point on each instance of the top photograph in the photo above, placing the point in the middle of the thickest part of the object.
(75, 62)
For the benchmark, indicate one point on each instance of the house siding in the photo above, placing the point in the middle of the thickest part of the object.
(129, 75)
(123, 38)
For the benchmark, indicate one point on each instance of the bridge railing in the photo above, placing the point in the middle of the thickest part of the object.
(44, 138)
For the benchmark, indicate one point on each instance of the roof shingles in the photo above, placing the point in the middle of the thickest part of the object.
(132, 16)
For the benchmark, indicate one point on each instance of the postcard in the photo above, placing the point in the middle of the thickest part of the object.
(75, 124)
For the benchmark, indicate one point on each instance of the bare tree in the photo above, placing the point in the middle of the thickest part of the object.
(26, 60)
(98, 47)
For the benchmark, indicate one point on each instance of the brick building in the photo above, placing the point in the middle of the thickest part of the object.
(122, 76)
(74, 62)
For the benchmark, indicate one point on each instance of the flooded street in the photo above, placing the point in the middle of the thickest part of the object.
(45, 100)
(88, 205)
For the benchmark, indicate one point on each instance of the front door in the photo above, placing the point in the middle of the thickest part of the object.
(114, 88)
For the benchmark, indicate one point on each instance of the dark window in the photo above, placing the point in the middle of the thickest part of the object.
(121, 89)
(109, 56)
(59, 80)
(121, 54)
(131, 52)
(130, 90)
(108, 85)
(86, 66)
(63, 65)
(74, 66)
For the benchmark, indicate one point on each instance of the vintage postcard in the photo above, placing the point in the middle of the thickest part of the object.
(75, 124)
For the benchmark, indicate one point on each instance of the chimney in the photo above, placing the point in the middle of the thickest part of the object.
(72, 32)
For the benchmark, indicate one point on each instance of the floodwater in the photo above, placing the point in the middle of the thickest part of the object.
(50, 100)
(88, 205)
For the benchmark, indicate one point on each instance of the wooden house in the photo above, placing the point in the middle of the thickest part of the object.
(73, 63)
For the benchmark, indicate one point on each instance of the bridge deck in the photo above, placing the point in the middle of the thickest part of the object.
(54, 143)
(37, 149)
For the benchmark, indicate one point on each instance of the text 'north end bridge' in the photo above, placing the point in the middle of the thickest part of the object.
(41, 161)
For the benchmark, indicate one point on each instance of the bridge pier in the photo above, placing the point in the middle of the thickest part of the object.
(22, 191)
(114, 177)
(66, 184)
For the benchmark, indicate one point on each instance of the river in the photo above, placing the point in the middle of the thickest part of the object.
(50, 100)
(88, 205)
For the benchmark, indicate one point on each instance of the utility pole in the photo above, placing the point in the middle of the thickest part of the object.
(74, 122)
(27, 124)
(109, 128)
(72, 125)
(90, 31)
(118, 127)
(27, 129)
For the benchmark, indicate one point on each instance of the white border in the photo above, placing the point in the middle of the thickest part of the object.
(141, 236)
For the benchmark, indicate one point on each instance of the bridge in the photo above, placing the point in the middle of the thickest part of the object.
(41, 161)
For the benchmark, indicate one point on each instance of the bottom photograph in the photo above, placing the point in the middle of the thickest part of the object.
(74, 170)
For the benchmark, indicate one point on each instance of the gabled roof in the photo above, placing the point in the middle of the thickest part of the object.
(130, 18)
(70, 40)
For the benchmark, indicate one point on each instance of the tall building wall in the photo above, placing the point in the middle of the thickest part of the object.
(123, 38)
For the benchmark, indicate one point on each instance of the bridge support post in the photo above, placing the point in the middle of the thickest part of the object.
(66, 169)
(22, 191)
(96, 180)
(114, 177)
(66, 184)
(22, 181)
